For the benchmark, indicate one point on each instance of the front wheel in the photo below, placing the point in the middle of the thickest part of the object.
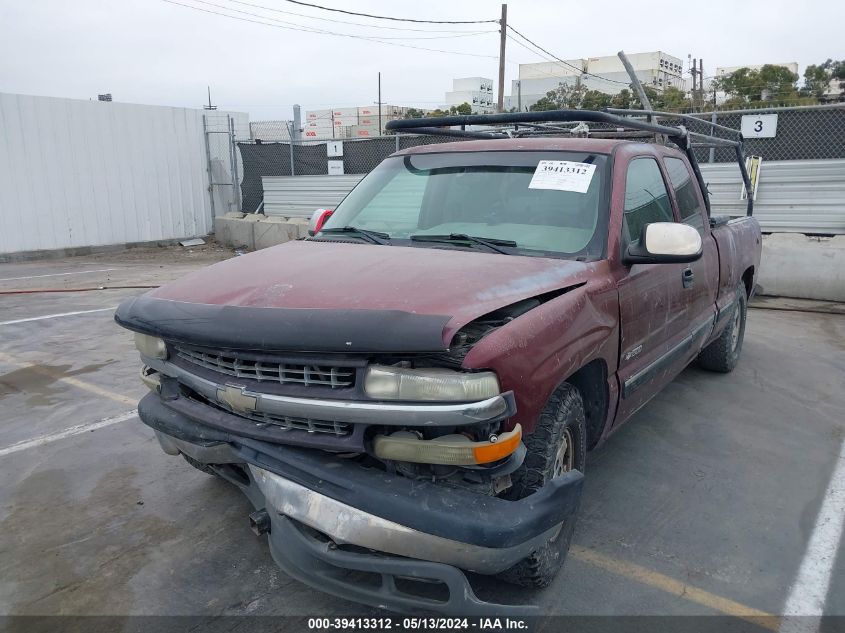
(722, 355)
(557, 445)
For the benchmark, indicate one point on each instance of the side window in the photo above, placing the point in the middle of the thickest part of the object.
(685, 192)
(646, 198)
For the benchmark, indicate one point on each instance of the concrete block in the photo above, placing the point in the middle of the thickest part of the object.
(253, 217)
(271, 232)
(234, 232)
(237, 215)
(301, 225)
(794, 265)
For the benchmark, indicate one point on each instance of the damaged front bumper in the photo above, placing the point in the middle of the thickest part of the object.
(329, 516)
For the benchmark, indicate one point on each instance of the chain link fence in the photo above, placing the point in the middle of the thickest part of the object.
(802, 133)
(310, 158)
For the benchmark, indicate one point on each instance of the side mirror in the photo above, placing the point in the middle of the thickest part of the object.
(665, 243)
(318, 219)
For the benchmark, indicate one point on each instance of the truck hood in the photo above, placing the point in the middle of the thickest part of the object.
(331, 296)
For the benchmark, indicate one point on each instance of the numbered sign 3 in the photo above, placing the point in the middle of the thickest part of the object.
(759, 125)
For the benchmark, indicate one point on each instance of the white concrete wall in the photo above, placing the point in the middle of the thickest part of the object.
(77, 173)
(794, 265)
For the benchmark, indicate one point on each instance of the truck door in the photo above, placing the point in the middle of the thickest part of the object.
(652, 297)
(702, 280)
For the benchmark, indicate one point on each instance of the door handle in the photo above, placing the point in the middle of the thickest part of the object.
(687, 277)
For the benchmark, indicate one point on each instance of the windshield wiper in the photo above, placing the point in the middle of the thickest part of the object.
(375, 237)
(490, 242)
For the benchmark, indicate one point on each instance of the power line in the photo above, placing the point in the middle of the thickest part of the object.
(314, 17)
(384, 17)
(325, 32)
(580, 70)
(322, 32)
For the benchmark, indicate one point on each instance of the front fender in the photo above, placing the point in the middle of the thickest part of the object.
(538, 350)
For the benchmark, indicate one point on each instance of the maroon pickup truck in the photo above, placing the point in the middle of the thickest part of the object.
(411, 391)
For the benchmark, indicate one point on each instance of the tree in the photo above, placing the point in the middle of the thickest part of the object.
(595, 100)
(438, 112)
(672, 100)
(624, 99)
(817, 78)
(464, 108)
(414, 113)
(565, 96)
(773, 84)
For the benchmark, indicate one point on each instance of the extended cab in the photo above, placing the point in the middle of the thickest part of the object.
(412, 391)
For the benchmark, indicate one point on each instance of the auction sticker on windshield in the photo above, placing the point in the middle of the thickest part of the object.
(563, 175)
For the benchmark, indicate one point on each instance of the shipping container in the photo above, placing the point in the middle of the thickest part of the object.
(359, 131)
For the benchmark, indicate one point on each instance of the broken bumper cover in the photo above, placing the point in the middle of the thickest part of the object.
(320, 505)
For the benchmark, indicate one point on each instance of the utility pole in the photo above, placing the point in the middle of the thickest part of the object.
(205, 107)
(503, 32)
(694, 71)
(379, 103)
(701, 81)
(519, 95)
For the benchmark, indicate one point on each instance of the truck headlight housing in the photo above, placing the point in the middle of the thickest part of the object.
(384, 382)
(150, 346)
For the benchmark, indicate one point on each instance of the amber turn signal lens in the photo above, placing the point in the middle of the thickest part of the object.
(493, 451)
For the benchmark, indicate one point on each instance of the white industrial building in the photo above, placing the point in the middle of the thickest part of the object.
(605, 74)
(727, 70)
(476, 91)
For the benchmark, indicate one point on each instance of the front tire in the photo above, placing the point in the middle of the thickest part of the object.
(722, 355)
(557, 445)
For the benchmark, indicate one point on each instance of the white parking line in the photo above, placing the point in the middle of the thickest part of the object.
(56, 316)
(809, 591)
(75, 272)
(74, 430)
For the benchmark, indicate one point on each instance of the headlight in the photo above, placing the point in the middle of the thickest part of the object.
(150, 346)
(449, 450)
(397, 383)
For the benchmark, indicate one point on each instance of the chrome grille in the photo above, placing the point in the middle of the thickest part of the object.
(283, 373)
(287, 422)
(300, 424)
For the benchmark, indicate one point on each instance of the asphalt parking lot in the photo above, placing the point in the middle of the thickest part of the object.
(707, 503)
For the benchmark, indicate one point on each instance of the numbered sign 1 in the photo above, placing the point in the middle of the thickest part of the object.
(759, 125)
(334, 148)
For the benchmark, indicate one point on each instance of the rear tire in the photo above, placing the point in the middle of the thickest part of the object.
(557, 445)
(722, 355)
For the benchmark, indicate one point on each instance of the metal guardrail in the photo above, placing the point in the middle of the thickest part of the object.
(299, 196)
(794, 196)
(800, 196)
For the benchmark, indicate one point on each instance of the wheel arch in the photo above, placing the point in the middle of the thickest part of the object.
(748, 281)
(591, 382)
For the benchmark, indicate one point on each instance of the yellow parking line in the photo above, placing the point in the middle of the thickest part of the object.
(69, 380)
(675, 587)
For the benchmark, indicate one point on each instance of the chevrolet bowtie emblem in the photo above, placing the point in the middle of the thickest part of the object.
(236, 398)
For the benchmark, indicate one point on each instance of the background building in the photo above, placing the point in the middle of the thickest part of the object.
(476, 91)
(604, 74)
